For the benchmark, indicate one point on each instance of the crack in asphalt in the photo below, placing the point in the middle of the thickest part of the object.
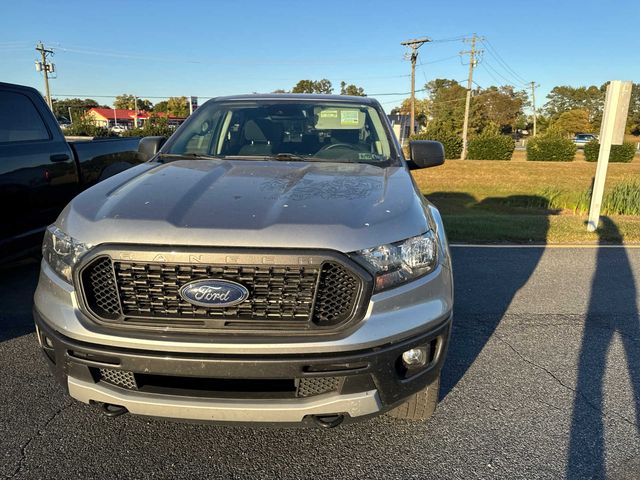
(586, 399)
(39, 432)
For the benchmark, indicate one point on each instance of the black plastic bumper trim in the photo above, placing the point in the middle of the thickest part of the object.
(375, 365)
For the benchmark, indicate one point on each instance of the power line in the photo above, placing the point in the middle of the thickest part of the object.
(488, 66)
(209, 61)
(491, 75)
(439, 60)
(494, 53)
(451, 39)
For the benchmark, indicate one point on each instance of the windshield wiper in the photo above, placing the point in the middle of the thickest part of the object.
(291, 157)
(187, 156)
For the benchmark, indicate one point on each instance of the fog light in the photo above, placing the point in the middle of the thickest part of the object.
(416, 357)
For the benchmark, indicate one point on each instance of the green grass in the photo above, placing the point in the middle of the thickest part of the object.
(522, 202)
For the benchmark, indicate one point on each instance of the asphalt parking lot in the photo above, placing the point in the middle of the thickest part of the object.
(542, 381)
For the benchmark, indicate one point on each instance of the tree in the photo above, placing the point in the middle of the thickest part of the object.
(178, 106)
(313, 86)
(280, 90)
(351, 90)
(128, 102)
(447, 104)
(572, 122)
(161, 107)
(633, 122)
(563, 98)
(498, 106)
(78, 107)
(421, 110)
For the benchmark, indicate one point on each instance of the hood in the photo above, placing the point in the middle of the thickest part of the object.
(242, 203)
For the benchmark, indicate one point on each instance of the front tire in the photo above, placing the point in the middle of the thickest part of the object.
(420, 405)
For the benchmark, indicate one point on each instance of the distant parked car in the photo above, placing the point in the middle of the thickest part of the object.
(63, 122)
(581, 139)
(118, 129)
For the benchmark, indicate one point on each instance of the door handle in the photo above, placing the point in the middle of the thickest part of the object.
(59, 157)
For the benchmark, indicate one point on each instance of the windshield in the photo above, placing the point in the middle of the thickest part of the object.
(286, 130)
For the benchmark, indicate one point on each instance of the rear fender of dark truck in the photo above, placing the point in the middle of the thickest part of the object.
(102, 158)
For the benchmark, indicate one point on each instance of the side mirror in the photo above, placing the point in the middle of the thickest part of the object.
(426, 153)
(149, 146)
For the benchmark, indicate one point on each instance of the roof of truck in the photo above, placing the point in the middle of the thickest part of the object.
(312, 97)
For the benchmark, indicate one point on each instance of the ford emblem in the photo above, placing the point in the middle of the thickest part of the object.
(214, 293)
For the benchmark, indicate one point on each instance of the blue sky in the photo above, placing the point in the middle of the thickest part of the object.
(207, 48)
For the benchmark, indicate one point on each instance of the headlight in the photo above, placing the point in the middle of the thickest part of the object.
(61, 251)
(400, 262)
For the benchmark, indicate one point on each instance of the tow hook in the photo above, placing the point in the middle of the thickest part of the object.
(328, 421)
(111, 410)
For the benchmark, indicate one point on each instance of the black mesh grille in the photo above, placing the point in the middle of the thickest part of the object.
(276, 293)
(280, 297)
(308, 387)
(121, 378)
(100, 289)
(337, 295)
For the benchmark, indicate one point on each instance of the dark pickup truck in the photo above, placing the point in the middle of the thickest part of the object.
(40, 172)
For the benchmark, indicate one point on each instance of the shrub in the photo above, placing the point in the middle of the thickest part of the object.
(619, 153)
(83, 127)
(491, 147)
(155, 126)
(551, 148)
(450, 140)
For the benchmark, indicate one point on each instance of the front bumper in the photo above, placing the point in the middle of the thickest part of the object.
(372, 380)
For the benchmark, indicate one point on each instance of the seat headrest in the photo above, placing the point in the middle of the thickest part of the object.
(253, 132)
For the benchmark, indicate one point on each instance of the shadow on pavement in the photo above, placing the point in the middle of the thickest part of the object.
(17, 284)
(586, 457)
(486, 280)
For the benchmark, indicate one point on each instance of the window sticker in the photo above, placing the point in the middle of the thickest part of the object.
(349, 117)
(329, 114)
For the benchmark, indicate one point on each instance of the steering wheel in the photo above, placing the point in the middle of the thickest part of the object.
(340, 145)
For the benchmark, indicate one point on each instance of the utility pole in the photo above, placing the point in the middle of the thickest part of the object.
(46, 68)
(135, 107)
(533, 102)
(473, 61)
(414, 45)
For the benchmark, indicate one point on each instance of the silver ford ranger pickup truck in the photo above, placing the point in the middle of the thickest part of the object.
(274, 262)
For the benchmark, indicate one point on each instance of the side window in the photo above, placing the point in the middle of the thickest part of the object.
(199, 135)
(19, 119)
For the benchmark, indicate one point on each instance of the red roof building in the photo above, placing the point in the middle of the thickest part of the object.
(110, 117)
